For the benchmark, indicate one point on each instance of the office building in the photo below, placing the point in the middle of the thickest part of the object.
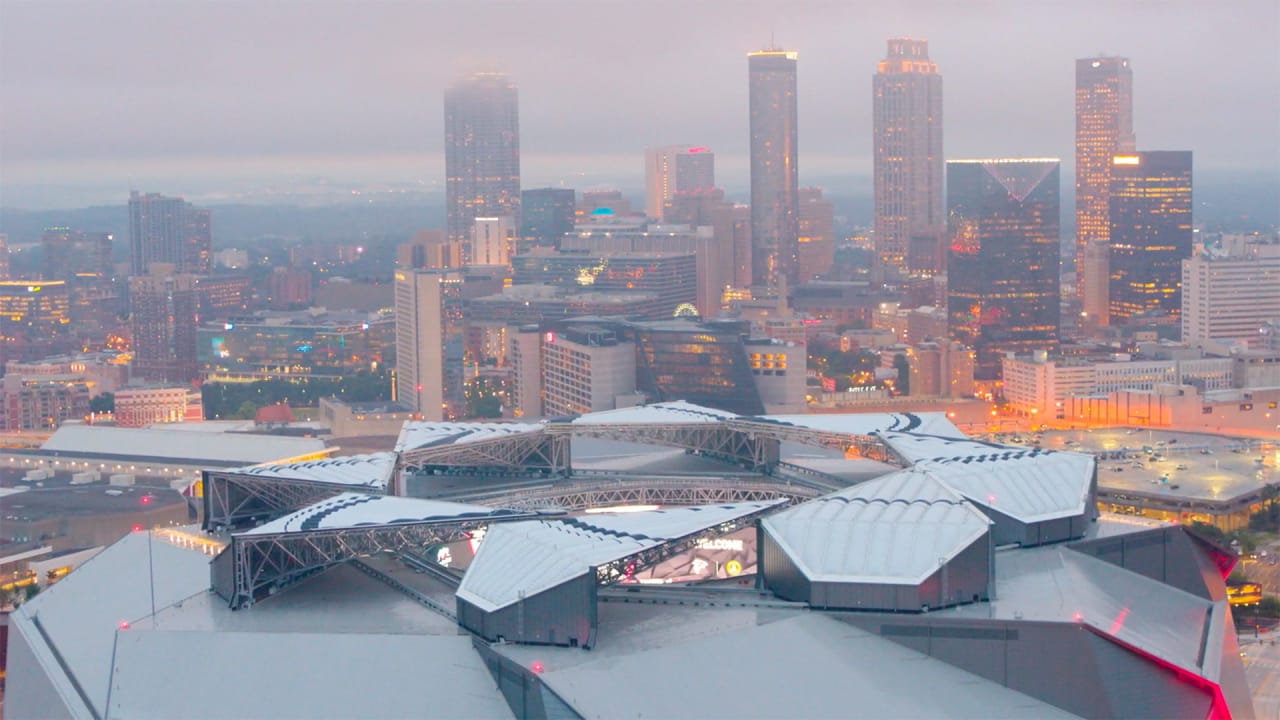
(939, 369)
(168, 230)
(1150, 234)
(1104, 129)
(34, 319)
(482, 154)
(775, 177)
(586, 368)
(630, 238)
(288, 288)
(142, 406)
(429, 249)
(4, 256)
(731, 225)
(296, 344)
(673, 169)
(546, 214)
(69, 253)
(907, 131)
(1231, 293)
(224, 296)
(1003, 264)
(524, 356)
(701, 362)
(429, 342)
(165, 308)
(492, 241)
(816, 243)
(670, 275)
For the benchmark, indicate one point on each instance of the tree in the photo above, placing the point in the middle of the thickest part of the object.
(246, 411)
(104, 403)
(904, 373)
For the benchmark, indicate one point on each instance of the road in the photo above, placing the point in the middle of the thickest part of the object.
(1262, 668)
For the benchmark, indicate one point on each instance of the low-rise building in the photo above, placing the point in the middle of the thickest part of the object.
(142, 406)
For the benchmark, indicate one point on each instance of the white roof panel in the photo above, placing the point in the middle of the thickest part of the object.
(190, 447)
(933, 423)
(369, 471)
(302, 675)
(675, 412)
(416, 435)
(350, 510)
(912, 447)
(530, 557)
(890, 530)
(1029, 485)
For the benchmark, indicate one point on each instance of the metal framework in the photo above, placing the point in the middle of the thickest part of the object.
(868, 446)
(622, 568)
(234, 499)
(713, 439)
(254, 566)
(505, 453)
(648, 490)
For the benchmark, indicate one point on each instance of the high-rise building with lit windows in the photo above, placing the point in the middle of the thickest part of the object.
(1002, 274)
(546, 214)
(481, 154)
(775, 177)
(4, 256)
(673, 169)
(1150, 236)
(1104, 129)
(1231, 292)
(68, 253)
(163, 319)
(907, 131)
(430, 342)
(816, 242)
(168, 230)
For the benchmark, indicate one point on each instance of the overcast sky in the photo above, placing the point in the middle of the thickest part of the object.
(180, 96)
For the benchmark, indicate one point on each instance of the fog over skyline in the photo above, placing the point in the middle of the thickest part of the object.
(205, 97)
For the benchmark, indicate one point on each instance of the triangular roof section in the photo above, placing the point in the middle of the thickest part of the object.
(417, 434)
(369, 471)
(1030, 486)
(1019, 177)
(352, 510)
(898, 529)
(525, 558)
(933, 423)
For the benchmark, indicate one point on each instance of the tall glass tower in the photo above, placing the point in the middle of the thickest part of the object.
(1104, 128)
(1150, 233)
(481, 154)
(1002, 274)
(907, 131)
(775, 177)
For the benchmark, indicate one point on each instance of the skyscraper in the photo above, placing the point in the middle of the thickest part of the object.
(1002, 270)
(4, 256)
(1150, 233)
(673, 169)
(816, 242)
(775, 177)
(168, 230)
(429, 342)
(546, 214)
(481, 154)
(907, 132)
(1104, 129)
(163, 323)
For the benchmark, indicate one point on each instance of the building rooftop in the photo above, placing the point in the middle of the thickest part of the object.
(367, 471)
(188, 446)
(416, 435)
(350, 510)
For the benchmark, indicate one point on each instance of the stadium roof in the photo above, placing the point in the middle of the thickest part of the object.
(525, 558)
(933, 423)
(913, 446)
(746, 663)
(1030, 485)
(352, 510)
(894, 530)
(675, 412)
(416, 435)
(328, 676)
(369, 471)
(188, 447)
(82, 633)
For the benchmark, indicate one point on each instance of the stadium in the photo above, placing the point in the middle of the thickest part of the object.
(668, 561)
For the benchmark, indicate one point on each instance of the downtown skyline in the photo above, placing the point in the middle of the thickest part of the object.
(240, 111)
